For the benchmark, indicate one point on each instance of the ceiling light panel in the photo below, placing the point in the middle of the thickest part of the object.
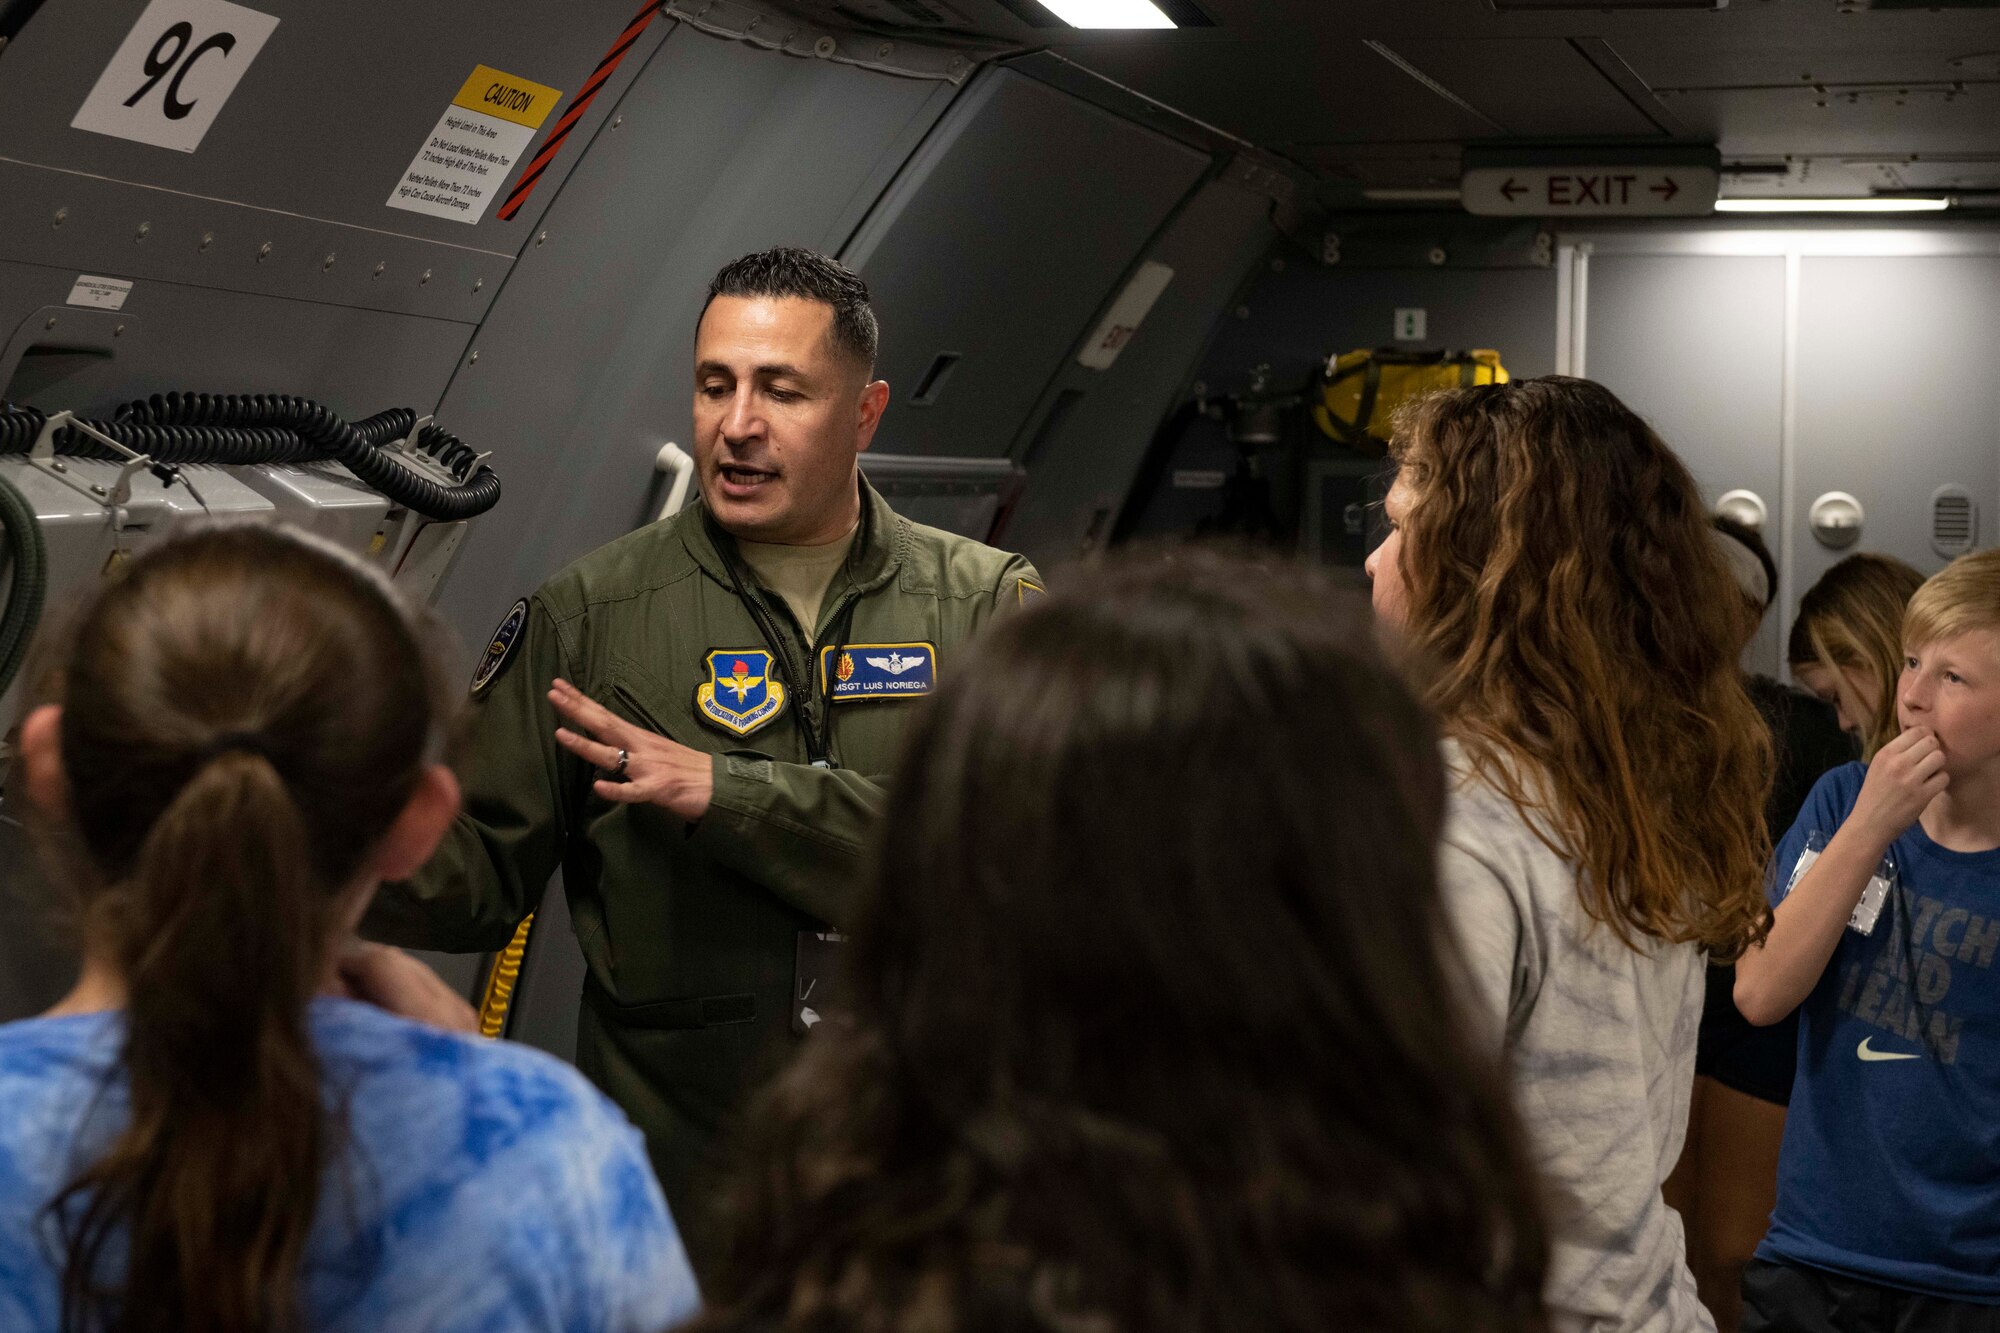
(1902, 205)
(1109, 13)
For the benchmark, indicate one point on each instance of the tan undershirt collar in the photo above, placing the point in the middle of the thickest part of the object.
(799, 574)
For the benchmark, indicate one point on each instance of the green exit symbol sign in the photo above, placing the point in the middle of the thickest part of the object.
(1409, 326)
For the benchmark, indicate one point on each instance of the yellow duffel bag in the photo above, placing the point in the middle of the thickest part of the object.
(1359, 390)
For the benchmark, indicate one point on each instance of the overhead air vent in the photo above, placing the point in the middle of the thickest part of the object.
(1183, 13)
(1954, 521)
(1620, 6)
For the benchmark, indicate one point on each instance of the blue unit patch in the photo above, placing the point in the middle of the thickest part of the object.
(505, 640)
(857, 671)
(739, 694)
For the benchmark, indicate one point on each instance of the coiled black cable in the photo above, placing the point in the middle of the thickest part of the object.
(177, 428)
(28, 579)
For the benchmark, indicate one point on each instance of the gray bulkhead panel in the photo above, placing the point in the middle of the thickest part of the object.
(1896, 397)
(175, 336)
(997, 245)
(1085, 444)
(1696, 345)
(330, 112)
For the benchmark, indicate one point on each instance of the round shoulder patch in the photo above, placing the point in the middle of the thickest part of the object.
(498, 652)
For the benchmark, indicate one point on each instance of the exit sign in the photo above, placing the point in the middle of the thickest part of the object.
(1590, 191)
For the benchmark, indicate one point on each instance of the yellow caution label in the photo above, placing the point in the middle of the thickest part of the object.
(492, 93)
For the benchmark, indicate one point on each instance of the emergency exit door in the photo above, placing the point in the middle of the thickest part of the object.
(1695, 344)
(1802, 363)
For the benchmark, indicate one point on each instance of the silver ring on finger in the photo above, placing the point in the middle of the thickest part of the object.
(618, 770)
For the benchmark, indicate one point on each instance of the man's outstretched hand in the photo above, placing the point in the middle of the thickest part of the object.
(657, 771)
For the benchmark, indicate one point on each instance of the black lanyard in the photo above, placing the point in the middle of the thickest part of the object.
(816, 732)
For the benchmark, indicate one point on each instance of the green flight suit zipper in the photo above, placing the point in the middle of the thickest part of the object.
(815, 724)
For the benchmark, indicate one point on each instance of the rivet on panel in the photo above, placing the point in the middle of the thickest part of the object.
(60, 467)
(956, 65)
(541, 239)
(885, 50)
(51, 324)
(62, 216)
(825, 47)
(425, 280)
(616, 121)
(381, 267)
(478, 283)
(326, 263)
(475, 359)
(207, 239)
(1437, 255)
(751, 26)
(263, 252)
(97, 490)
(118, 332)
(144, 229)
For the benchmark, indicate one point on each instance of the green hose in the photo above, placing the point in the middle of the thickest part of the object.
(28, 584)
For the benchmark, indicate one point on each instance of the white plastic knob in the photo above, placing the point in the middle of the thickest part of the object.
(1836, 520)
(1745, 507)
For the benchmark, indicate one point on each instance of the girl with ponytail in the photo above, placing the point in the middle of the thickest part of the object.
(237, 742)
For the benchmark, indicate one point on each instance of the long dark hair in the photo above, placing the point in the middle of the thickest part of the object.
(1155, 1022)
(244, 716)
(1562, 575)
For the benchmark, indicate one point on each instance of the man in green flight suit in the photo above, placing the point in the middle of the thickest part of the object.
(695, 721)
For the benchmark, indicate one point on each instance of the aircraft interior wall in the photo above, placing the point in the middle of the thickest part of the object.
(998, 217)
(1791, 363)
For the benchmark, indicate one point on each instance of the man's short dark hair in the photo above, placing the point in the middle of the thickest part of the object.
(809, 275)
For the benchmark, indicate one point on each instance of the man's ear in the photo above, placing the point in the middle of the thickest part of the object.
(874, 402)
(41, 761)
(421, 827)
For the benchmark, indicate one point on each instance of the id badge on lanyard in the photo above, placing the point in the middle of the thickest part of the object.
(819, 979)
(1869, 909)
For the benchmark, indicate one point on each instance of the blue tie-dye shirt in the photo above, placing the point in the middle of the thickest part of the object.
(481, 1187)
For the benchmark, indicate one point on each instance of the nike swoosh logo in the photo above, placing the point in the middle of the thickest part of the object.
(1868, 1053)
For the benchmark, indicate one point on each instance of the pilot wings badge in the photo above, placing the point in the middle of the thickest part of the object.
(739, 694)
(859, 671)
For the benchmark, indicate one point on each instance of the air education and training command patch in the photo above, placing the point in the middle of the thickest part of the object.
(501, 650)
(739, 695)
(858, 671)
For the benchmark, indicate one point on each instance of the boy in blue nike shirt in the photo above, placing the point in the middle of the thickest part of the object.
(1885, 937)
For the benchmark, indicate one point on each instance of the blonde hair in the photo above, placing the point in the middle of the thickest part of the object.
(1852, 619)
(1963, 596)
(1564, 581)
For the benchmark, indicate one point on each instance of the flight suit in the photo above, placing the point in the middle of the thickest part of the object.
(690, 931)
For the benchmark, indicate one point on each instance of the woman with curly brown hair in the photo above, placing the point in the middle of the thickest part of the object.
(1153, 1023)
(1550, 558)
